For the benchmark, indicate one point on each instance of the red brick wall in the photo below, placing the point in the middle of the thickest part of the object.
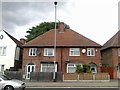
(61, 57)
(110, 57)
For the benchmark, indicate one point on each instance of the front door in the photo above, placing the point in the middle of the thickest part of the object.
(29, 69)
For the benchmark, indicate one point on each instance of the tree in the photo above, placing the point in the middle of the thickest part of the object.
(41, 29)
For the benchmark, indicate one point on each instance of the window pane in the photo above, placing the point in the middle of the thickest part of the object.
(32, 52)
(48, 52)
(28, 68)
(0, 50)
(118, 51)
(71, 69)
(4, 50)
(90, 52)
(32, 69)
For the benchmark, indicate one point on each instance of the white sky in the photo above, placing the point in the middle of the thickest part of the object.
(95, 19)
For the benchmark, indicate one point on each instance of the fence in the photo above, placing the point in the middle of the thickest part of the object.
(86, 77)
(45, 76)
(14, 74)
(48, 76)
(108, 70)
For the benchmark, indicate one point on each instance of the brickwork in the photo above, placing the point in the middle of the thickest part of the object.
(110, 59)
(61, 56)
(86, 76)
(72, 76)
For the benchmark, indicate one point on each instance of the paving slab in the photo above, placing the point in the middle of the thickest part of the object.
(112, 83)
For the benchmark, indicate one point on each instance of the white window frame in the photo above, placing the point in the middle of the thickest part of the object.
(32, 51)
(41, 70)
(90, 51)
(47, 51)
(73, 66)
(118, 51)
(72, 51)
(3, 50)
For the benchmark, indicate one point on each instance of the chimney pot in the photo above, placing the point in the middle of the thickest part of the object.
(62, 27)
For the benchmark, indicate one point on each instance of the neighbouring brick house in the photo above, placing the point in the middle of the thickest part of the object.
(111, 55)
(72, 48)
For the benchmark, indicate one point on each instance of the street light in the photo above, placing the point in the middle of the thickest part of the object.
(54, 76)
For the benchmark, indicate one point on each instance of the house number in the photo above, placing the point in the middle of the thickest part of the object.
(1, 37)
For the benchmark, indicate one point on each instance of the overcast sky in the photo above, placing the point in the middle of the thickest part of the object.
(95, 19)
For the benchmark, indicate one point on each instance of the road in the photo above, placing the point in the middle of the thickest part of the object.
(72, 89)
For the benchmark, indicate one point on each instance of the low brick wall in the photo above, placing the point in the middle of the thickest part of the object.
(72, 76)
(102, 76)
(85, 76)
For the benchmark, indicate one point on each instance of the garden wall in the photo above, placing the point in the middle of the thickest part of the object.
(86, 77)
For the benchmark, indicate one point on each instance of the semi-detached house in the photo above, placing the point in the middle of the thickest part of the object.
(72, 48)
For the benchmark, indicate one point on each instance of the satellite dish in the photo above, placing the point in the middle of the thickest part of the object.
(83, 50)
(38, 52)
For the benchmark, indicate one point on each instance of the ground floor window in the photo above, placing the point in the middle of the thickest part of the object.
(29, 68)
(71, 67)
(48, 67)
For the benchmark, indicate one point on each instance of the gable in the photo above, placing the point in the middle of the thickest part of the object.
(6, 38)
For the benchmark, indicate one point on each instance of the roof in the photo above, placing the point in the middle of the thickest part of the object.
(68, 38)
(112, 42)
(14, 39)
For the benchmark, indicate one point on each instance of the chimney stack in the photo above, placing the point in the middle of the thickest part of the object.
(62, 27)
(22, 40)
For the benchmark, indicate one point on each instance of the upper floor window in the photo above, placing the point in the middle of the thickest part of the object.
(90, 52)
(74, 52)
(49, 52)
(32, 51)
(118, 51)
(3, 51)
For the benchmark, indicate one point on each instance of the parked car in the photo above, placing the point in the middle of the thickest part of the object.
(10, 84)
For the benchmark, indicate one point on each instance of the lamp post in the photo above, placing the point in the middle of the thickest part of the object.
(54, 76)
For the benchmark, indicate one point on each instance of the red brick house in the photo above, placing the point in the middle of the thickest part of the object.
(111, 54)
(72, 48)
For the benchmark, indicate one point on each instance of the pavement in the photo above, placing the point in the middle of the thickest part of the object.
(111, 83)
